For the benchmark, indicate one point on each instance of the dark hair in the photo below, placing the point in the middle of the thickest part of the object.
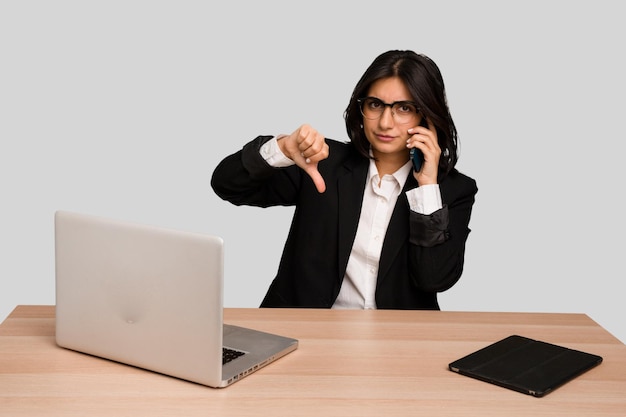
(425, 84)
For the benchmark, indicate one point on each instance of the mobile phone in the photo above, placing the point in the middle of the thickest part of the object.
(417, 157)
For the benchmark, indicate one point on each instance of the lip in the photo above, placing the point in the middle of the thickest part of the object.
(385, 138)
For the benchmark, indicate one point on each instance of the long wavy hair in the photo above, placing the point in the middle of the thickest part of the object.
(425, 84)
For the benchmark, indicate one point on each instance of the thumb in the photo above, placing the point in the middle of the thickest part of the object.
(317, 178)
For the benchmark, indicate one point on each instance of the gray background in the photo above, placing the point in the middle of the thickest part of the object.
(123, 109)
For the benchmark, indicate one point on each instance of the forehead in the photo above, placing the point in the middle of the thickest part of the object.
(389, 90)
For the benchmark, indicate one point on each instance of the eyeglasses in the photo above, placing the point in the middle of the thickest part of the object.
(403, 111)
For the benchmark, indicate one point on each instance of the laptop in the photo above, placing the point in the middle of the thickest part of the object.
(525, 365)
(152, 298)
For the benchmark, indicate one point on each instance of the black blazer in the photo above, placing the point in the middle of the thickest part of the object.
(421, 254)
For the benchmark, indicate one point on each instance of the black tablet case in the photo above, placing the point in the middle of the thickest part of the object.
(526, 365)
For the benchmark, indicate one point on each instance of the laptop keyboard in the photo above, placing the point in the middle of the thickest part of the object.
(230, 354)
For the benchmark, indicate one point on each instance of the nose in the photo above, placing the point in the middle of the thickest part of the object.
(386, 118)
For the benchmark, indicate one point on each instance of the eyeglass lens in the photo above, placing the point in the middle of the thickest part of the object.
(403, 111)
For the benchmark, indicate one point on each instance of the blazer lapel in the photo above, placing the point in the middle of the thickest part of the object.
(397, 231)
(350, 186)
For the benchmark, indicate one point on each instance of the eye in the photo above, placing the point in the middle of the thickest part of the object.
(373, 103)
(406, 107)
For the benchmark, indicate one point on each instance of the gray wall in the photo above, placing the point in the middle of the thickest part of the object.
(123, 109)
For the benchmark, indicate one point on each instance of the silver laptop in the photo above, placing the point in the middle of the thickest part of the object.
(152, 298)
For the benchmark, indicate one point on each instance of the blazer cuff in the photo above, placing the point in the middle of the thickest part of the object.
(252, 159)
(429, 229)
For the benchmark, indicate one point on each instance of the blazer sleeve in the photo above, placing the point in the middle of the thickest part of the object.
(437, 241)
(245, 178)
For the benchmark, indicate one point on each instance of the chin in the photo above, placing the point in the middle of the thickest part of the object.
(390, 147)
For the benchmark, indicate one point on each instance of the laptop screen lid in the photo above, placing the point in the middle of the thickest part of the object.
(144, 296)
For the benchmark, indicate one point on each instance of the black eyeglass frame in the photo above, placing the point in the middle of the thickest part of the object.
(361, 102)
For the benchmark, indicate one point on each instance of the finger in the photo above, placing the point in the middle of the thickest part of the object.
(306, 136)
(315, 152)
(309, 166)
(416, 137)
(415, 131)
(310, 142)
(424, 130)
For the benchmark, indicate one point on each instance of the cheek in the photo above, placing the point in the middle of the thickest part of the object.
(404, 134)
(368, 129)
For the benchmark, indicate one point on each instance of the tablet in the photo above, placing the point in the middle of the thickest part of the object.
(526, 365)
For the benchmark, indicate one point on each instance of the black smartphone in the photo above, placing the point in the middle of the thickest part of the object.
(417, 157)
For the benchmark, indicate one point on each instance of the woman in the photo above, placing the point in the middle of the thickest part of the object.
(369, 230)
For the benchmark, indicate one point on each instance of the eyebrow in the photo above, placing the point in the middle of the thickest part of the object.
(391, 104)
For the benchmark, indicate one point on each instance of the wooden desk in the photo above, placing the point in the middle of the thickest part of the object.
(349, 363)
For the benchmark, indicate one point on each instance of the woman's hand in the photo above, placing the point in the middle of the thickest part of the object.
(306, 147)
(425, 139)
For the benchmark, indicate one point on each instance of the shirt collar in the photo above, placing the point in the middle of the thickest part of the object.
(400, 175)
